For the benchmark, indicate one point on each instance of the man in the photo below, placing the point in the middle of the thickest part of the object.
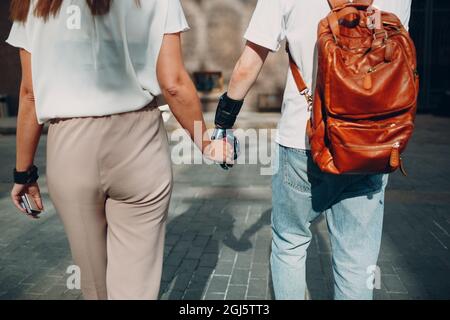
(353, 205)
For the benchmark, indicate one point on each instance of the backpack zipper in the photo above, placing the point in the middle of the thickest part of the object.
(396, 145)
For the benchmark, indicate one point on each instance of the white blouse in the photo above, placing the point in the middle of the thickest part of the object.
(84, 66)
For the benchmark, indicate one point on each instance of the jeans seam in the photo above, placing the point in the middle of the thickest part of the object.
(292, 185)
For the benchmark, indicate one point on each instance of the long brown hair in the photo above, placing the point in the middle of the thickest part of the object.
(46, 8)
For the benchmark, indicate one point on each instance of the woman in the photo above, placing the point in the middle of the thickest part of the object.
(92, 69)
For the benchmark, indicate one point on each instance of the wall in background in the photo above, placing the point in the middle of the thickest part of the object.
(430, 28)
(215, 42)
(9, 61)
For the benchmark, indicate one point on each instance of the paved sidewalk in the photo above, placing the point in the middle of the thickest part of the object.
(218, 239)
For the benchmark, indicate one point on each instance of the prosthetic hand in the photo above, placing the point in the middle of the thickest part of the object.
(226, 114)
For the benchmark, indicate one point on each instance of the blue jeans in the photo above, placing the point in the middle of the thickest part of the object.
(353, 206)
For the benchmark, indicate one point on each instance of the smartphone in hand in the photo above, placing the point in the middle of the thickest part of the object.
(30, 206)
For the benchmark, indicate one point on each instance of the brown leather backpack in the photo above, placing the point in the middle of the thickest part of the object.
(367, 84)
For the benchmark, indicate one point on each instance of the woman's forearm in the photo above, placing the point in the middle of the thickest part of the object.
(185, 105)
(179, 90)
(28, 132)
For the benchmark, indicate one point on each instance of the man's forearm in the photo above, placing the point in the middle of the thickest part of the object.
(28, 133)
(246, 71)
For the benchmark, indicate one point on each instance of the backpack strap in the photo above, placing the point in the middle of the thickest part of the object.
(299, 81)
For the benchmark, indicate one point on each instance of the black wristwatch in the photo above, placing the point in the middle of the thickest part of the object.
(26, 177)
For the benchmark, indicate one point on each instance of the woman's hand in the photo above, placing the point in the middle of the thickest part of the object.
(32, 190)
(219, 151)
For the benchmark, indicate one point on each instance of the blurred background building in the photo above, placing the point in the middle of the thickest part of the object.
(214, 44)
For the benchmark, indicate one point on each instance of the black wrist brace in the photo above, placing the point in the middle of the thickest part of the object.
(27, 177)
(227, 112)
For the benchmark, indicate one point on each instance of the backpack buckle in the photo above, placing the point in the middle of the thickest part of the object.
(381, 32)
(309, 98)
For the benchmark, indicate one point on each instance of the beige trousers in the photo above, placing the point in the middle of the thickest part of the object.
(110, 180)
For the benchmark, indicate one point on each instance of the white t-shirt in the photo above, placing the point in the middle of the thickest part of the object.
(85, 66)
(297, 20)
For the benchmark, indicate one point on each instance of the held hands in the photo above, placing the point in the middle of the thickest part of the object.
(228, 137)
(220, 151)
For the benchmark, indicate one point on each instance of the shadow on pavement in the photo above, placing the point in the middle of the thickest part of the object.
(193, 246)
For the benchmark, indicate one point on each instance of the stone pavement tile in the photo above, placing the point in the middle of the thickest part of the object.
(317, 285)
(10, 282)
(381, 294)
(227, 254)
(172, 239)
(15, 292)
(36, 275)
(182, 281)
(200, 241)
(256, 298)
(204, 272)
(173, 295)
(59, 292)
(438, 292)
(320, 294)
(167, 250)
(386, 267)
(243, 261)
(188, 265)
(410, 278)
(198, 283)
(163, 287)
(219, 234)
(270, 294)
(393, 284)
(218, 284)
(30, 296)
(314, 268)
(240, 277)
(259, 271)
(323, 241)
(313, 249)
(213, 246)
(193, 294)
(168, 273)
(208, 260)
(326, 262)
(177, 229)
(194, 253)
(174, 258)
(182, 246)
(236, 292)
(257, 288)
(224, 268)
(189, 237)
(207, 230)
(417, 292)
(262, 256)
(399, 296)
(214, 296)
(44, 285)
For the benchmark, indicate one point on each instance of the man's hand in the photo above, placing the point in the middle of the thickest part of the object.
(228, 137)
(32, 190)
